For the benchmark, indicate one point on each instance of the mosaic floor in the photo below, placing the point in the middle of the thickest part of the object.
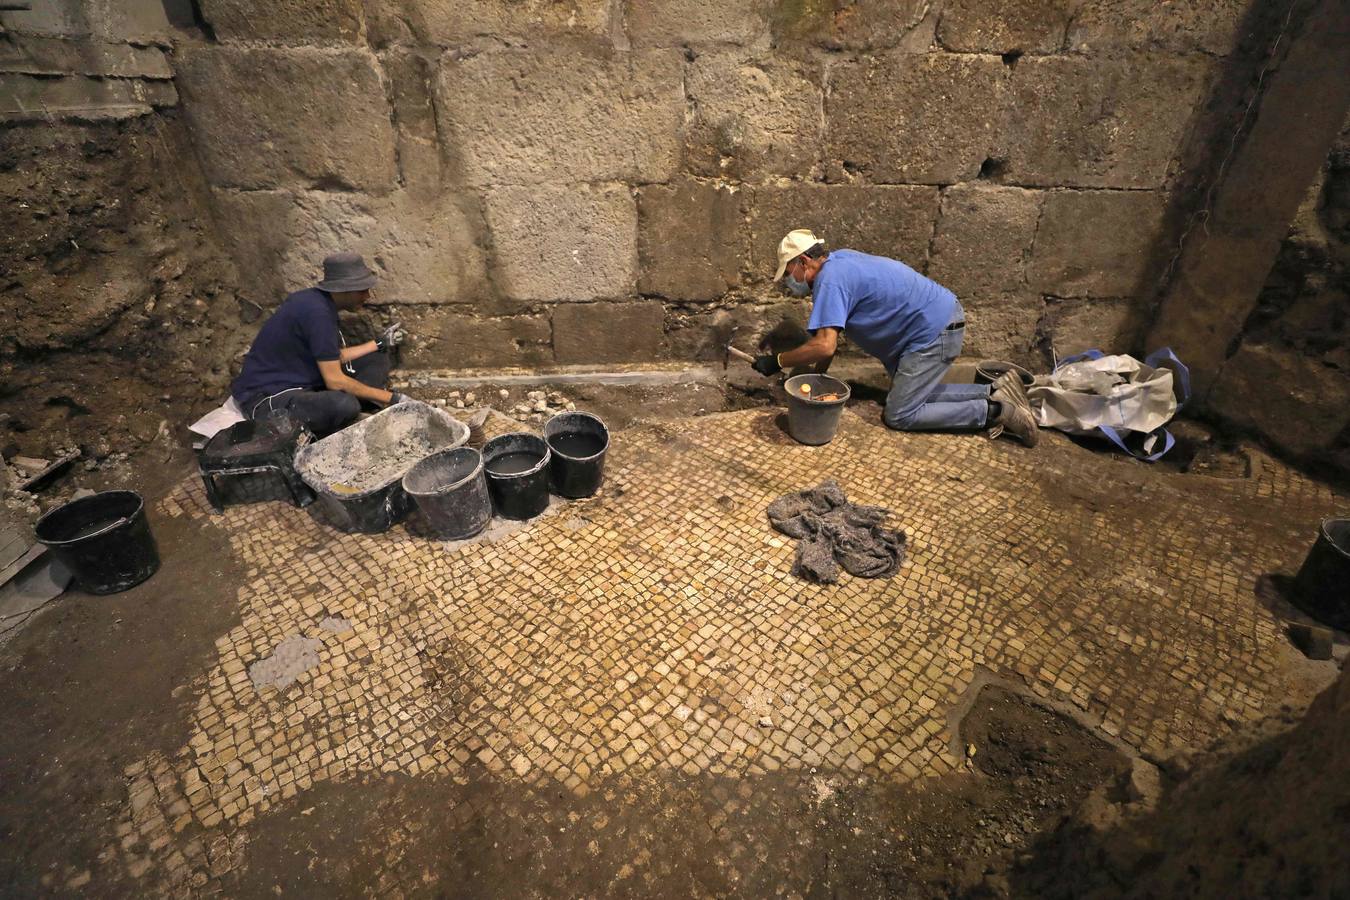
(655, 628)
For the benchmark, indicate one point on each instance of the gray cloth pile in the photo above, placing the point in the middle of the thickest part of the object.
(833, 533)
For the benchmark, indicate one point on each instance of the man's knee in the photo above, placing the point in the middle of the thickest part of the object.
(900, 419)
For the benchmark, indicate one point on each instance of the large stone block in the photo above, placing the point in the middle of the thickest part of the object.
(1110, 325)
(607, 332)
(424, 252)
(679, 23)
(1207, 26)
(855, 25)
(27, 99)
(443, 23)
(563, 114)
(929, 118)
(894, 221)
(753, 117)
(1004, 326)
(1025, 26)
(270, 118)
(142, 21)
(285, 21)
(1287, 395)
(1096, 243)
(702, 335)
(1095, 122)
(552, 242)
(448, 338)
(33, 55)
(984, 236)
(412, 76)
(689, 239)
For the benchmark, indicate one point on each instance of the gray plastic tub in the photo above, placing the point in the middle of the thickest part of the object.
(815, 421)
(358, 472)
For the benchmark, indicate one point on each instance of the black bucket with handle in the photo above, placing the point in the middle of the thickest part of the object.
(517, 467)
(578, 443)
(451, 492)
(104, 540)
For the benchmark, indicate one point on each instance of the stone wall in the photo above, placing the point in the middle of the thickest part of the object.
(1288, 377)
(585, 181)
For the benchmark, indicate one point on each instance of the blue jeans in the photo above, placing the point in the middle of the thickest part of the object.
(918, 401)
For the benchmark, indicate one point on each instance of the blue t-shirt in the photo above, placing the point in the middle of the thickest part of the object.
(882, 305)
(287, 351)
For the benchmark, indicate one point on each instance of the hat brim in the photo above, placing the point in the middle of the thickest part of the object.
(782, 267)
(358, 283)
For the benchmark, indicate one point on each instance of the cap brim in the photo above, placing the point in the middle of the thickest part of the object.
(782, 267)
(364, 283)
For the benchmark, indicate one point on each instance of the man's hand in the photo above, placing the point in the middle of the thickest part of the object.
(766, 365)
(395, 398)
(392, 337)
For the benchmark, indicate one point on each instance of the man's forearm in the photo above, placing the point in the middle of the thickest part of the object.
(807, 354)
(347, 354)
(360, 389)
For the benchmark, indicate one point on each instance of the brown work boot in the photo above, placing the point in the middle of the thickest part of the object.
(1015, 421)
(1008, 388)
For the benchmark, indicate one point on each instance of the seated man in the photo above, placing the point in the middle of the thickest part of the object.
(298, 363)
(912, 324)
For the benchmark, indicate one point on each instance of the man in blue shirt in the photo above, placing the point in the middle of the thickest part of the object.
(914, 325)
(298, 364)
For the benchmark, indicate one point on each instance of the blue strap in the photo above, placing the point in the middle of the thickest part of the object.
(1181, 383)
(1114, 437)
(1079, 357)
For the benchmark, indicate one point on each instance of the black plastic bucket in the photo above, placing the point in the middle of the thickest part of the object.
(578, 442)
(988, 371)
(450, 490)
(517, 467)
(1322, 586)
(104, 541)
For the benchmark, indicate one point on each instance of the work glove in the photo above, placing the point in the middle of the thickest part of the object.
(766, 364)
(392, 337)
(395, 398)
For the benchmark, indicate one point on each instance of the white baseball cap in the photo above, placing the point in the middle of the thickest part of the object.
(794, 245)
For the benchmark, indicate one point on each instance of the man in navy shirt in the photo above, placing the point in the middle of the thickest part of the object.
(914, 325)
(298, 364)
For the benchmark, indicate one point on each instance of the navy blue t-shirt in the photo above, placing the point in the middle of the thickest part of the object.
(289, 347)
(883, 305)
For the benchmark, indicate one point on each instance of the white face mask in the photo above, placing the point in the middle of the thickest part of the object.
(797, 288)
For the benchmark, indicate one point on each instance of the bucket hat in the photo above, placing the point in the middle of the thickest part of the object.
(346, 272)
(794, 245)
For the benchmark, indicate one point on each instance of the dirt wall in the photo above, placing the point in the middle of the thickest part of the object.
(119, 311)
(600, 180)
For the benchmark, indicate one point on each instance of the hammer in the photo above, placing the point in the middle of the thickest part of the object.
(732, 351)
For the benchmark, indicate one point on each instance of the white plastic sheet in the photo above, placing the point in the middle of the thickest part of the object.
(1117, 392)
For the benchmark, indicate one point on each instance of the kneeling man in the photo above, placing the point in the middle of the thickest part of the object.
(912, 324)
(299, 364)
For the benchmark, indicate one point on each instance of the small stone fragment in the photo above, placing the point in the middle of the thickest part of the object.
(765, 722)
(470, 398)
(504, 394)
